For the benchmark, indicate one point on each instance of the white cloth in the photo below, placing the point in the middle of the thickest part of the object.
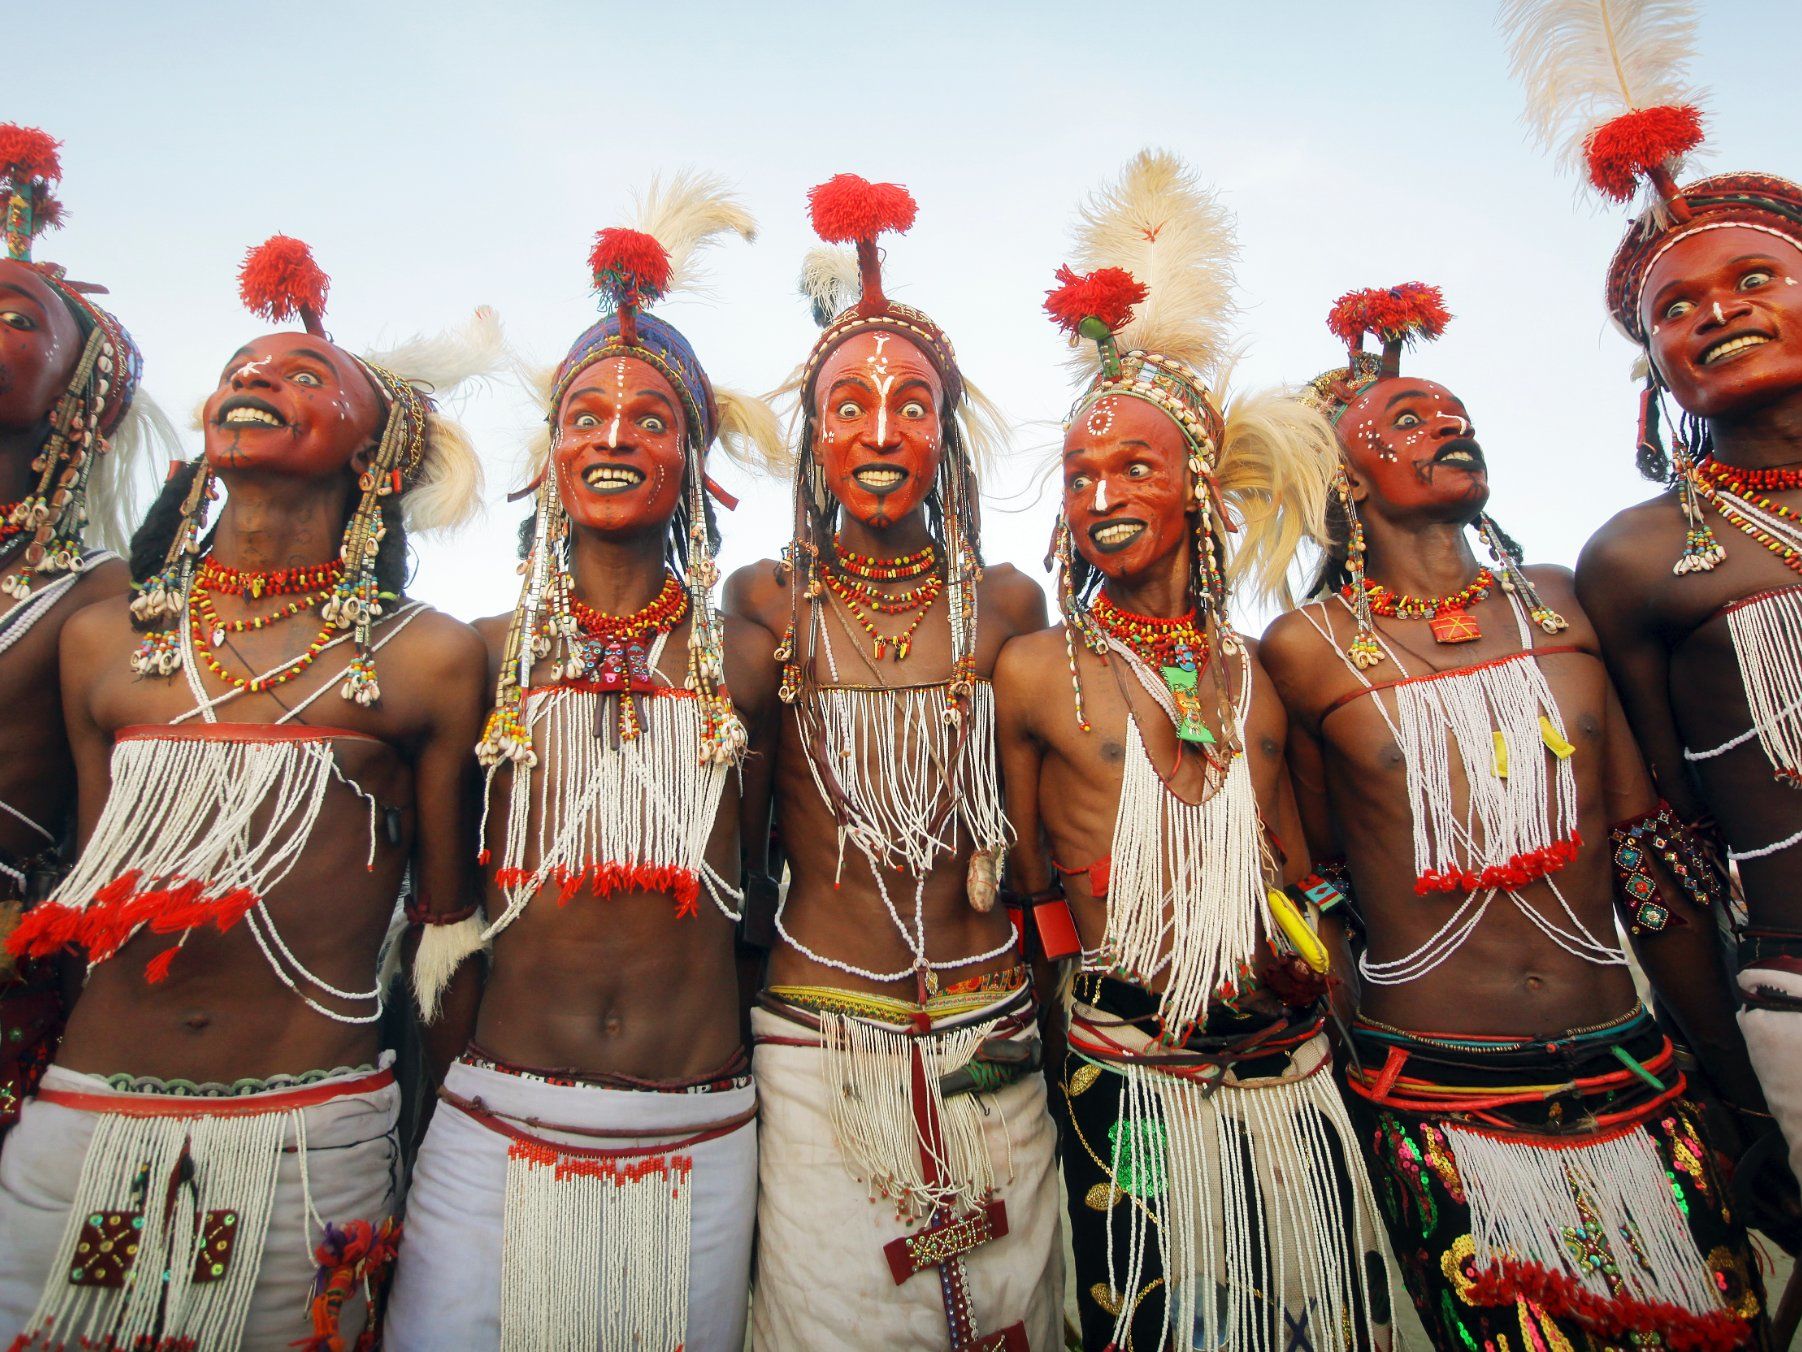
(1774, 1042)
(351, 1172)
(447, 1291)
(822, 1279)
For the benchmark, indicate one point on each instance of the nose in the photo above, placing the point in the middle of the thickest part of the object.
(1718, 313)
(250, 376)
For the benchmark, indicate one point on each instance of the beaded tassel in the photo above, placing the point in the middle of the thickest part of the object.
(1514, 577)
(166, 593)
(1364, 651)
(1701, 550)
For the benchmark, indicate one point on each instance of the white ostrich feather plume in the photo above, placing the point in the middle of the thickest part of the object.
(686, 215)
(1582, 62)
(1160, 224)
(830, 282)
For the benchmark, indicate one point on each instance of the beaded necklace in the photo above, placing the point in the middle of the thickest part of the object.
(10, 530)
(251, 583)
(898, 569)
(1744, 482)
(1447, 616)
(1173, 647)
(856, 595)
(1770, 523)
(208, 631)
(665, 611)
(613, 652)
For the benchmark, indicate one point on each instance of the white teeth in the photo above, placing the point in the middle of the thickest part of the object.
(613, 474)
(1732, 345)
(251, 415)
(878, 478)
(1121, 530)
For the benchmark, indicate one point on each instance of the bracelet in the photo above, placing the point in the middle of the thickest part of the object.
(1659, 833)
(419, 913)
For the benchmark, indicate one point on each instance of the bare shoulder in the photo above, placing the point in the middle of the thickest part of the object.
(1018, 600)
(103, 581)
(758, 592)
(493, 630)
(751, 667)
(97, 629)
(1635, 546)
(435, 652)
(1291, 645)
(1024, 658)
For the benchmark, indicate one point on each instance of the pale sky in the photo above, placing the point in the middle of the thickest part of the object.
(443, 155)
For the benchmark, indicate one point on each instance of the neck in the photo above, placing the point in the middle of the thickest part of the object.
(271, 522)
(19, 446)
(1161, 591)
(618, 575)
(885, 542)
(1763, 438)
(1432, 559)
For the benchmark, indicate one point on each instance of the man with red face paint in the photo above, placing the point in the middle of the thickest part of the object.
(1704, 637)
(212, 1160)
(71, 429)
(1213, 1192)
(590, 1180)
(1457, 748)
(908, 1185)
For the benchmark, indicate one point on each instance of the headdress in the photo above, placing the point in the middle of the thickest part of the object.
(424, 474)
(846, 294)
(633, 268)
(100, 426)
(1401, 316)
(1151, 314)
(1606, 86)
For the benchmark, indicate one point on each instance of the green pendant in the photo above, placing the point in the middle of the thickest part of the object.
(1190, 725)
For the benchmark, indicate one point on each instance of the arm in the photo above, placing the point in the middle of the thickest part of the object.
(1639, 662)
(81, 652)
(1683, 960)
(447, 796)
(753, 683)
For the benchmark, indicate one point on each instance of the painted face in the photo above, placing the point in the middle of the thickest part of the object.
(291, 403)
(1722, 311)
(40, 343)
(1128, 493)
(1411, 448)
(619, 449)
(878, 427)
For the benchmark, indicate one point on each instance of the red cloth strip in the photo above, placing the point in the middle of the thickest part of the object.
(236, 732)
(169, 1105)
(1551, 650)
(478, 1112)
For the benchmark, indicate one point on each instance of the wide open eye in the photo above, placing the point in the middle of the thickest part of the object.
(1138, 471)
(654, 424)
(1407, 420)
(1678, 308)
(913, 408)
(1077, 483)
(308, 379)
(17, 319)
(1754, 279)
(585, 420)
(848, 408)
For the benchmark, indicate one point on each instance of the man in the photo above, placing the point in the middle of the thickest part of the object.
(211, 1160)
(73, 427)
(1454, 737)
(908, 1193)
(590, 1179)
(1208, 1162)
(1694, 592)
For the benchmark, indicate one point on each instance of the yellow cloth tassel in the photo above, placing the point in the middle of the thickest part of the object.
(1554, 742)
(1297, 930)
(1501, 755)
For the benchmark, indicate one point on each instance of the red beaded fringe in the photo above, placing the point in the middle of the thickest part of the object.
(621, 1173)
(103, 926)
(604, 880)
(1511, 875)
(1563, 1297)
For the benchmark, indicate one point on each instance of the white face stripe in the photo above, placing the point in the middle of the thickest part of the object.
(1719, 318)
(885, 382)
(619, 402)
(1463, 423)
(1101, 495)
(250, 368)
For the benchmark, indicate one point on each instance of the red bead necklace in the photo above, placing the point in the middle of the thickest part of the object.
(901, 568)
(208, 631)
(253, 583)
(857, 595)
(666, 610)
(1155, 640)
(9, 530)
(1447, 616)
(1743, 482)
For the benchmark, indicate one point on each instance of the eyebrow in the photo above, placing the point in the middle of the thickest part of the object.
(911, 381)
(852, 380)
(659, 396)
(315, 354)
(1395, 399)
(20, 292)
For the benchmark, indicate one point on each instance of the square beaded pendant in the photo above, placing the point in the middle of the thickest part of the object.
(1455, 626)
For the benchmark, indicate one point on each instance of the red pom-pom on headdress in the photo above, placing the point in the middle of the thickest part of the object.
(630, 269)
(29, 155)
(1106, 294)
(1395, 314)
(280, 280)
(847, 209)
(1641, 144)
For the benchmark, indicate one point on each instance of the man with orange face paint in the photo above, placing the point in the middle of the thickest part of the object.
(908, 1185)
(72, 429)
(1704, 638)
(1457, 747)
(212, 1160)
(1213, 1192)
(590, 1179)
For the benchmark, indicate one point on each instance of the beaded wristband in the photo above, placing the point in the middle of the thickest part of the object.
(1635, 842)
